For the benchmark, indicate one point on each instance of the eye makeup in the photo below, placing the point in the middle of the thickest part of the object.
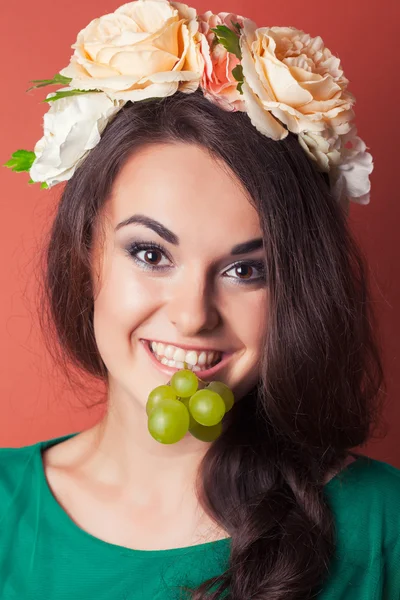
(137, 246)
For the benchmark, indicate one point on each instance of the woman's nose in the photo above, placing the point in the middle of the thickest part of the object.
(192, 306)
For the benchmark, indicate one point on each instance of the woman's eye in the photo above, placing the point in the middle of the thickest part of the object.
(244, 272)
(247, 271)
(151, 257)
(150, 252)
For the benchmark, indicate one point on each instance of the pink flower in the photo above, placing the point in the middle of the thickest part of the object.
(218, 83)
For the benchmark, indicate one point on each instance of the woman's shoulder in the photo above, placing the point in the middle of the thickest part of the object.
(20, 467)
(366, 474)
(365, 498)
(16, 470)
(15, 465)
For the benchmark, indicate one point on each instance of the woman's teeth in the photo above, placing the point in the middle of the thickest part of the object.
(176, 357)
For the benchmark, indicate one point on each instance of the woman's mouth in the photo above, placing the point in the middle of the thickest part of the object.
(202, 372)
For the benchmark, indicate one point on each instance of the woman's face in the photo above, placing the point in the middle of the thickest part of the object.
(189, 292)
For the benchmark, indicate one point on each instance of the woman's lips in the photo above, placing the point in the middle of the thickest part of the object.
(203, 374)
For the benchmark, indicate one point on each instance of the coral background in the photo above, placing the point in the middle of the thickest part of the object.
(35, 41)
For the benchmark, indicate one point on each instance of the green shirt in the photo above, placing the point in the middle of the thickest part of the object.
(44, 555)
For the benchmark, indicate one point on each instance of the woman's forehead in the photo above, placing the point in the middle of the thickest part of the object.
(185, 188)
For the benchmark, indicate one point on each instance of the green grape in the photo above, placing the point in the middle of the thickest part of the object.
(184, 382)
(160, 393)
(207, 407)
(169, 421)
(206, 434)
(192, 422)
(224, 391)
(202, 384)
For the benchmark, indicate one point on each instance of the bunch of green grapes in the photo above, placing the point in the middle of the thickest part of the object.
(180, 406)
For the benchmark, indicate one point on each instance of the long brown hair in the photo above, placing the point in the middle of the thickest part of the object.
(321, 382)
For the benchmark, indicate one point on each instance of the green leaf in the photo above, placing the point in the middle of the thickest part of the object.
(57, 80)
(214, 42)
(160, 98)
(228, 39)
(236, 26)
(237, 72)
(43, 185)
(67, 93)
(21, 160)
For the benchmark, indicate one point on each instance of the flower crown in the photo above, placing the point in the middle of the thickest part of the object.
(281, 77)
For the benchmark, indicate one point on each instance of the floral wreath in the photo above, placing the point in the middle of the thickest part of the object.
(284, 80)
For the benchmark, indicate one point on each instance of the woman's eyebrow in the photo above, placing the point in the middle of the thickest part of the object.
(171, 237)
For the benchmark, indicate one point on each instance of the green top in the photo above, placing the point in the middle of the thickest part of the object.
(45, 555)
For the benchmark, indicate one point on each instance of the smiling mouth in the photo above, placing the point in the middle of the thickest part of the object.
(205, 372)
(181, 364)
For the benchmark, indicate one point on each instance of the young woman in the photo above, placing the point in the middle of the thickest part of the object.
(192, 230)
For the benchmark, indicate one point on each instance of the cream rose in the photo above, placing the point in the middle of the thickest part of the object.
(72, 126)
(146, 48)
(218, 83)
(292, 81)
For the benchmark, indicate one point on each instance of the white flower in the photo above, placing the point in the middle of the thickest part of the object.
(323, 148)
(72, 127)
(345, 158)
(350, 178)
